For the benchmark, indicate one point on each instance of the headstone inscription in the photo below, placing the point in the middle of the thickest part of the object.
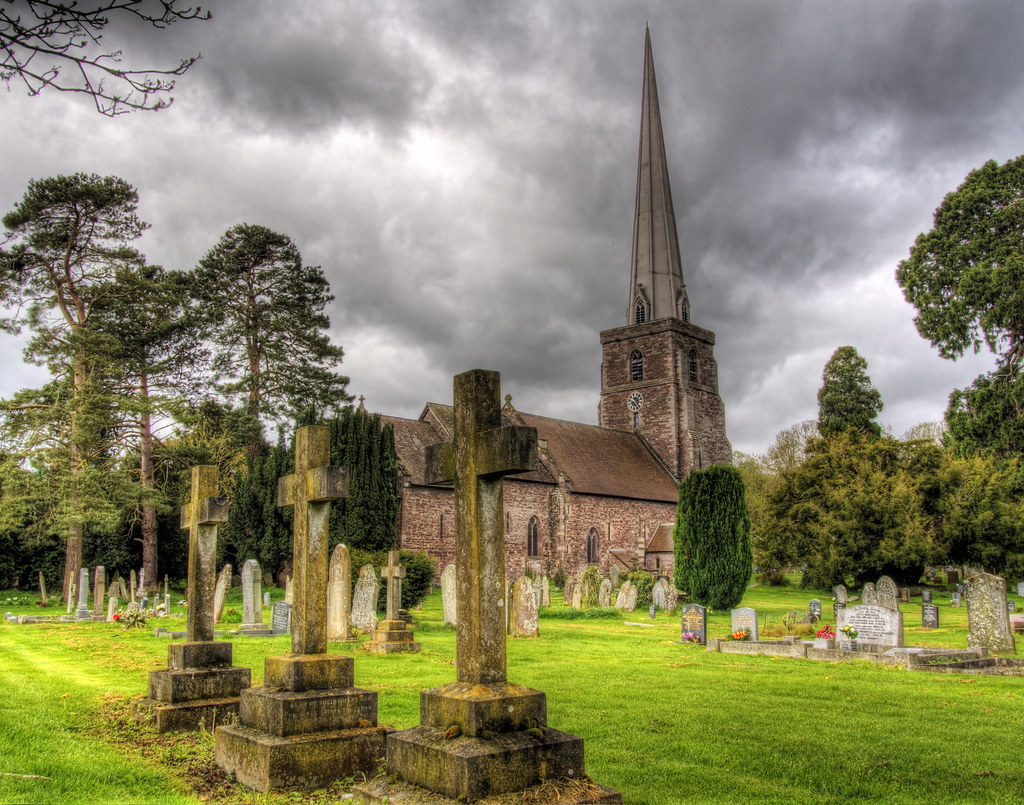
(814, 607)
(495, 754)
(926, 596)
(82, 612)
(281, 618)
(745, 619)
(837, 607)
(220, 594)
(887, 594)
(339, 595)
(364, 600)
(293, 731)
(524, 610)
(200, 687)
(448, 595)
(929, 616)
(876, 626)
(392, 634)
(695, 622)
(252, 583)
(99, 590)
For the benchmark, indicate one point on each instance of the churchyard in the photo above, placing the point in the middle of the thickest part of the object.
(663, 722)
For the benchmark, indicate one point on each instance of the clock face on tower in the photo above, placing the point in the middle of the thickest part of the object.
(635, 401)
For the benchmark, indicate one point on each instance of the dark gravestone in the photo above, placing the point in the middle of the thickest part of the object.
(815, 608)
(929, 616)
(1011, 606)
(651, 611)
(904, 595)
(926, 596)
(695, 621)
(281, 618)
(952, 577)
(961, 588)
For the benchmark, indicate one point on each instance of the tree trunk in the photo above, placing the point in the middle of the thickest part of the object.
(148, 483)
(73, 549)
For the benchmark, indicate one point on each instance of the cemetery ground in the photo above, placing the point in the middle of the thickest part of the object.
(663, 722)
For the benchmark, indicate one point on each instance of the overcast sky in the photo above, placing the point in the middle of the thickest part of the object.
(465, 171)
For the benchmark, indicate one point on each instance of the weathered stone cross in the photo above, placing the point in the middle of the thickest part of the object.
(201, 516)
(310, 491)
(482, 451)
(394, 573)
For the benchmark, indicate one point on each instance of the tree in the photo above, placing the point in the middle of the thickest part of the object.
(39, 38)
(70, 237)
(712, 538)
(846, 398)
(268, 328)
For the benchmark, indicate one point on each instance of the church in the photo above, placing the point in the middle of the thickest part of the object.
(603, 494)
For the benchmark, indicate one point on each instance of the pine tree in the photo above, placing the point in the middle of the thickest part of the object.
(712, 538)
(846, 398)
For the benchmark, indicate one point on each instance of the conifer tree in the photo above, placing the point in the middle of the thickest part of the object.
(847, 399)
(712, 538)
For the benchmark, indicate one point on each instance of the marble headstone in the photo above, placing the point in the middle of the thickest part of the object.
(364, 600)
(524, 609)
(448, 595)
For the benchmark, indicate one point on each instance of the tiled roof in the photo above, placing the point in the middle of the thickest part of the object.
(411, 439)
(661, 541)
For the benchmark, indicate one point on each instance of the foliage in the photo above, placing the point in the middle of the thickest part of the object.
(712, 538)
(268, 328)
(591, 586)
(644, 583)
(988, 417)
(558, 580)
(57, 45)
(420, 572)
(846, 398)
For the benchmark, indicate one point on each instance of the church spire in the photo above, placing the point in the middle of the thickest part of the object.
(656, 288)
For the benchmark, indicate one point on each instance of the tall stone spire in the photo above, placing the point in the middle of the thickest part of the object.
(656, 288)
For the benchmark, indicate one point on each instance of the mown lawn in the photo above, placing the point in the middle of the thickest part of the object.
(663, 722)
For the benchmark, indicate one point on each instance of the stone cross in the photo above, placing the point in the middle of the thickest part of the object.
(201, 516)
(310, 491)
(481, 452)
(394, 573)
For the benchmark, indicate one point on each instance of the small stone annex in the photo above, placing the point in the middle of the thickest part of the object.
(603, 494)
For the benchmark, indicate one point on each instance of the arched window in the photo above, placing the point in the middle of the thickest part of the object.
(693, 366)
(593, 547)
(640, 312)
(533, 538)
(636, 365)
(684, 313)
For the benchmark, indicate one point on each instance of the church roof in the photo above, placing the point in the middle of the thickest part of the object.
(661, 540)
(411, 439)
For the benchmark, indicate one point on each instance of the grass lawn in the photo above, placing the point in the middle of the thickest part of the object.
(663, 722)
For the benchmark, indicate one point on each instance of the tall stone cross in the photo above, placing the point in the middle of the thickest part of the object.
(310, 491)
(201, 516)
(481, 452)
(394, 573)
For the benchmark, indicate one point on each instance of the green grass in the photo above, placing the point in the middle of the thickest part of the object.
(663, 722)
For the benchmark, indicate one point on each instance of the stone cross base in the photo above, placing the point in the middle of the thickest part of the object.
(568, 792)
(306, 727)
(199, 689)
(391, 637)
(477, 740)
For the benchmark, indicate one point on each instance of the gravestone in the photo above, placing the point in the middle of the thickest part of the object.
(604, 596)
(266, 595)
(961, 588)
(988, 620)
(877, 626)
(42, 588)
(392, 635)
(658, 594)
(524, 611)
(671, 598)
(281, 618)
(1011, 606)
(840, 595)
(111, 608)
(504, 745)
(252, 583)
(537, 591)
(1020, 588)
(448, 595)
(99, 590)
(220, 594)
(545, 592)
(288, 595)
(929, 616)
(82, 612)
(814, 607)
(567, 592)
(364, 601)
(307, 726)
(868, 596)
(199, 688)
(626, 600)
(72, 590)
(904, 595)
(339, 595)
(837, 607)
(887, 594)
(956, 598)
(745, 618)
(121, 588)
(577, 594)
(132, 587)
(926, 596)
(613, 575)
(144, 603)
(952, 577)
(142, 580)
(695, 621)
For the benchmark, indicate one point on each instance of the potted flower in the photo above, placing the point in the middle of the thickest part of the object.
(825, 637)
(739, 634)
(690, 637)
(850, 635)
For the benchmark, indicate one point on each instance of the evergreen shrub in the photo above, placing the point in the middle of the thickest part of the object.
(644, 583)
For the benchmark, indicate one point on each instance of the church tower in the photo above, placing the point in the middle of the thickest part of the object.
(658, 372)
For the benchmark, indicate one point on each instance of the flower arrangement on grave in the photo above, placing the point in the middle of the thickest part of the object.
(42, 604)
(690, 637)
(850, 632)
(739, 634)
(134, 618)
(827, 632)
